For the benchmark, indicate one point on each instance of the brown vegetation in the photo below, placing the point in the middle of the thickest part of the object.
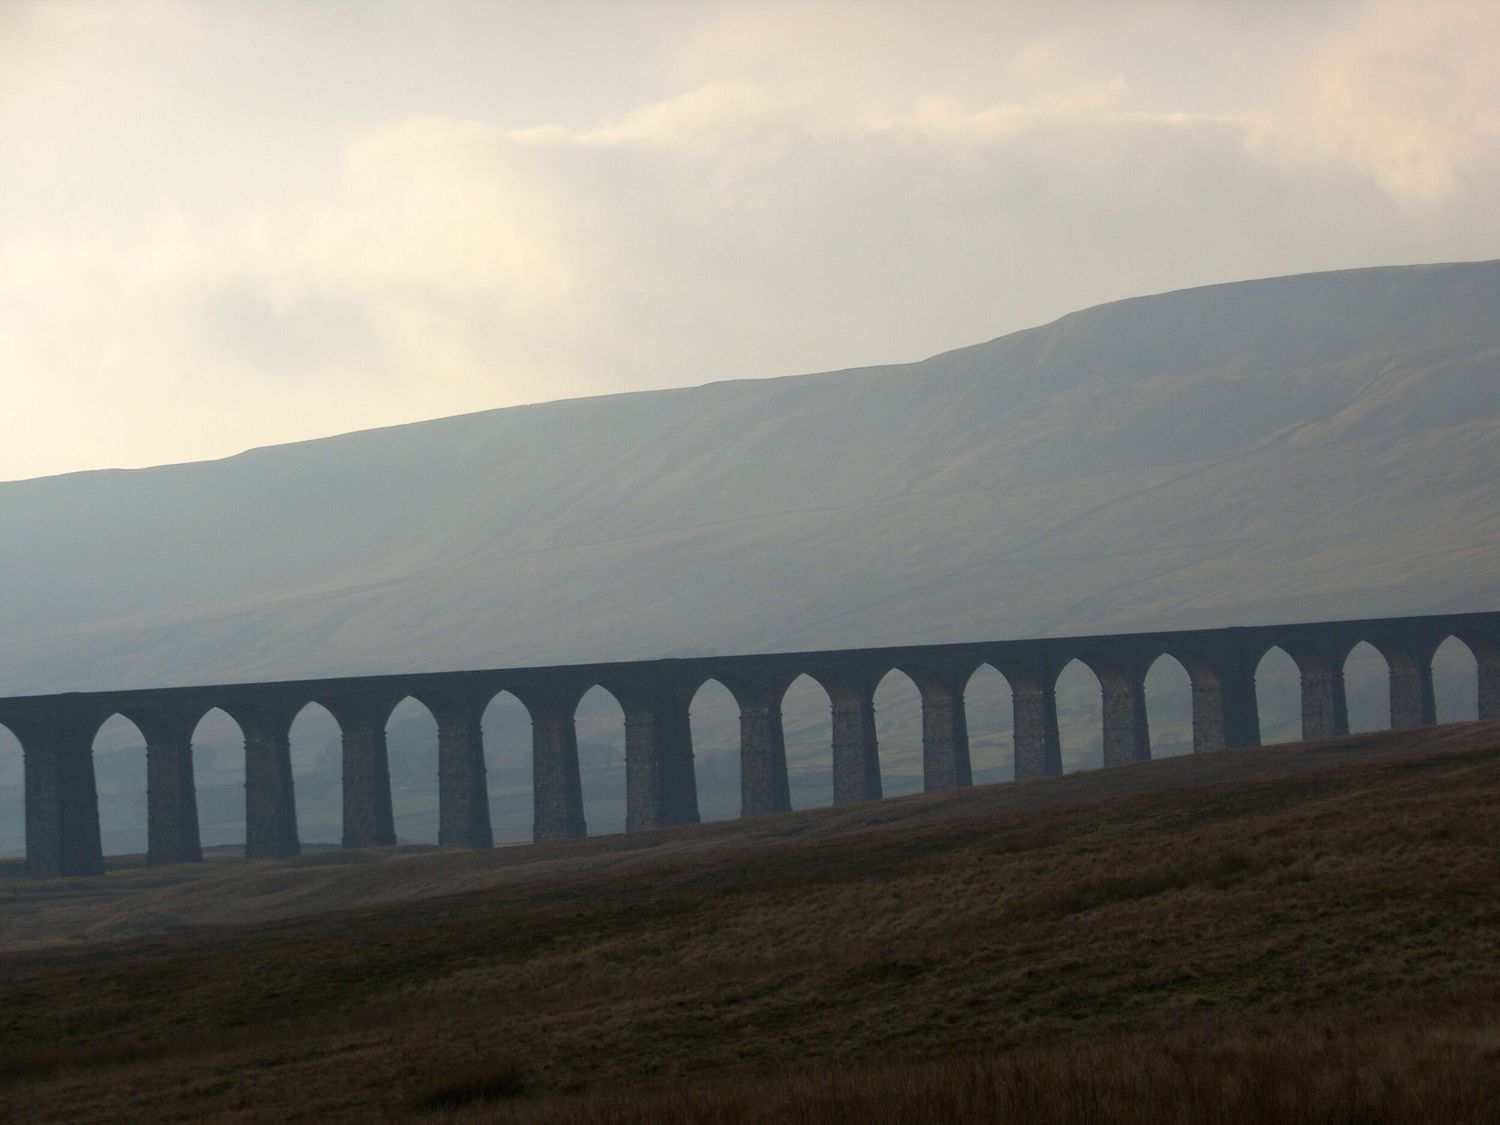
(1315, 945)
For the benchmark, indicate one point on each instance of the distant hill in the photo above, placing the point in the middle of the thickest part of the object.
(1302, 447)
(1306, 446)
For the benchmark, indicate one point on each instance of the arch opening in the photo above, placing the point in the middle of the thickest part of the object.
(411, 751)
(506, 725)
(1169, 707)
(1278, 696)
(12, 796)
(1080, 717)
(807, 728)
(1367, 688)
(898, 734)
(600, 723)
(714, 716)
(988, 707)
(119, 750)
(1455, 682)
(219, 781)
(317, 746)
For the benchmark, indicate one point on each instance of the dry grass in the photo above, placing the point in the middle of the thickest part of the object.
(133, 899)
(1307, 1074)
(482, 1084)
(1313, 945)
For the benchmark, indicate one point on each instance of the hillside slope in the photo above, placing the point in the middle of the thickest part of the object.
(1308, 446)
(1285, 943)
(135, 899)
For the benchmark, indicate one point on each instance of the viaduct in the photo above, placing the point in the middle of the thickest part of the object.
(56, 732)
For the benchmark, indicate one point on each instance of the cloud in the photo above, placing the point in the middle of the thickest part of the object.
(432, 203)
(704, 115)
(1107, 103)
(1408, 95)
(791, 190)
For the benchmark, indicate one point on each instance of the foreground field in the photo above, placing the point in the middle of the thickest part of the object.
(1295, 933)
(134, 900)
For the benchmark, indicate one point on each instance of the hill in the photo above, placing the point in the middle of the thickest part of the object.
(1314, 446)
(1298, 934)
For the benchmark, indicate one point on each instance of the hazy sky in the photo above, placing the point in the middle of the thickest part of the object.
(234, 224)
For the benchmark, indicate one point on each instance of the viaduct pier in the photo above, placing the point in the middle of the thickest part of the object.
(56, 732)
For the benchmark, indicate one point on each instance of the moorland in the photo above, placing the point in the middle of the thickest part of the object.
(1302, 933)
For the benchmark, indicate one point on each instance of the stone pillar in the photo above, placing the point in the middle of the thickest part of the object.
(1487, 657)
(661, 785)
(681, 775)
(1209, 707)
(369, 820)
(1413, 702)
(645, 803)
(1127, 738)
(270, 801)
(557, 786)
(856, 756)
(62, 804)
(945, 737)
(764, 785)
(171, 798)
(1225, 709)
(1241, 708)
(463, 789)
(1325, 711)
(44, 813)
(1038, 745)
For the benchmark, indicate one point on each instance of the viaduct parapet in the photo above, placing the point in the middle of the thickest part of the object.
(56, 732)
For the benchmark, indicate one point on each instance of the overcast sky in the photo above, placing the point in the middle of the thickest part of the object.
(234, 224)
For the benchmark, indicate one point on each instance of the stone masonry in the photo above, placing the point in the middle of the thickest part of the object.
(57, 732)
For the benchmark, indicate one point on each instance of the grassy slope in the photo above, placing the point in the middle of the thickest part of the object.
(1322, 914)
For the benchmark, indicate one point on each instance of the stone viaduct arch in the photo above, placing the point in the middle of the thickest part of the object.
(807, 700)
(1171, 682)
(224, 720)
(1485, 650)
(122, 785)
(714, 715)
(12, 797)
(407, 755)
(1278, 692)
(989, 709)
(56, 732)
(897, 709)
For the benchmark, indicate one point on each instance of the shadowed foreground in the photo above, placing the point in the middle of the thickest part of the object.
(1250, 944)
